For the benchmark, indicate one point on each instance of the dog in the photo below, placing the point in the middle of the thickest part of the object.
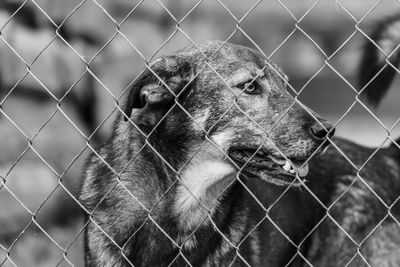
(212, 162)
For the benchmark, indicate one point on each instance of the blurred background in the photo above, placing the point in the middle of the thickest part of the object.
(64, 65)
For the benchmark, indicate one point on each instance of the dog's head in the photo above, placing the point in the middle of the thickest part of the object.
(234, 98)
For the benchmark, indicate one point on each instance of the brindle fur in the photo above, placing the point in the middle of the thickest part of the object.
(135, 176)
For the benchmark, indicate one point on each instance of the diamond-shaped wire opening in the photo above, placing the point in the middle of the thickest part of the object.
(332, 104)
(35, 246)
(40, 176)
(42, 108)
(198, 29)
(59, 133)
(369, 131)
(80, 20)
(332, 38)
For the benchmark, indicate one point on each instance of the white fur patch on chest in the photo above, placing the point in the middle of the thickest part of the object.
(201, 186)
(198, 177)
(202, 181)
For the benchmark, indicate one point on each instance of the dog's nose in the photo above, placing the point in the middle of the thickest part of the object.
(320, 129)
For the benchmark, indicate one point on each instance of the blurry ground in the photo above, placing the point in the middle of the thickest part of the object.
(42, 148)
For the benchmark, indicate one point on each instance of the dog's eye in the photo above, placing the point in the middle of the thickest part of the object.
(250, 87)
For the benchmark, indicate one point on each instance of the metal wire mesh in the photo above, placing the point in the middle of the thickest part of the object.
(88, 138)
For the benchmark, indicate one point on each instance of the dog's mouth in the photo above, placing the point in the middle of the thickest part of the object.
(271, 168)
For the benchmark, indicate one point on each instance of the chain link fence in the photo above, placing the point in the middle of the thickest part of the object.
(66, 68)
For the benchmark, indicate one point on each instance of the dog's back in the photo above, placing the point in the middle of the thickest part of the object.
(360, 226)
(363, 228)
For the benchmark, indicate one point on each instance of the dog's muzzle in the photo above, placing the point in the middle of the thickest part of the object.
(268, 167)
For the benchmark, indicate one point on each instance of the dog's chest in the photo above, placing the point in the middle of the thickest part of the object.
(202, 185)
(213, 241)
(214, 244)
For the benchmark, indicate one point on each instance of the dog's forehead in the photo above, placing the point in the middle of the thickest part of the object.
(226, 58)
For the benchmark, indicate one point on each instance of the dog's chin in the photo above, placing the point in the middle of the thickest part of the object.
(272, 169)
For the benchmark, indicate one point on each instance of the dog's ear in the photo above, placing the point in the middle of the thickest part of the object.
(150, 93)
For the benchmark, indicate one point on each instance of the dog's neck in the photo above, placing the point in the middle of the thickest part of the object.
(202, 174)
(204, 180)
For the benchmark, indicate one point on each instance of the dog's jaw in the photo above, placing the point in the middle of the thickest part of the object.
(273, 169)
